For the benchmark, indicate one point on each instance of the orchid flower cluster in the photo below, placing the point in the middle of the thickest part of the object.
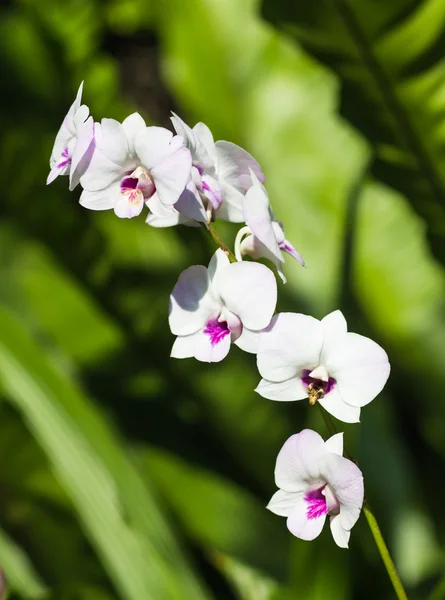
(187, 178)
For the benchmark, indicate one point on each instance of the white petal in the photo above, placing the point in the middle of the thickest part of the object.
(110, 160)
(174, 218)
(171, 175)
(202, 155)
(132, 125)
(160, 210)
(250, 291)
(233, 162)
(300, 462)
(248, 340)
(206, 138)
(152, 145)
(334, 327)
(192, 302)
(290, 344)
(257, 216)
(219, 261)
(231, 206)
(184, 346)
(101, 200)
(285, 391)
(334, 404)
(190, 204)
(346, 482)
(66, 131)
(283, 503)
(206, 351)
(83, 152)
(341, 536)
(301, 526)
(360, 367)
(335, 444)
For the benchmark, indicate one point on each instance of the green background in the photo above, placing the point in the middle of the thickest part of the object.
(126, 474)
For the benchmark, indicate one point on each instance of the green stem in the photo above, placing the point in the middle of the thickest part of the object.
(373, 526)
(384, 553)
(219, 241)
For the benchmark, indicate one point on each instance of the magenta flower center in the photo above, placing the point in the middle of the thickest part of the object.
(315, 504)
(317, 388)
(216, 330)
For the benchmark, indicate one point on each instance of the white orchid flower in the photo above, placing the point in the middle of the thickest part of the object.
(301, 357)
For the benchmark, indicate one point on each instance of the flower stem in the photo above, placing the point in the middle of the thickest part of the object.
(384, 553)
(219, 241)
(373, 525)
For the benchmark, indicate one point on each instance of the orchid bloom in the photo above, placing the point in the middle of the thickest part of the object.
(220, 172)
(315, 481)
(74, 143)
(133, 164)
(210, 308)
(263, 236)
(301, 357)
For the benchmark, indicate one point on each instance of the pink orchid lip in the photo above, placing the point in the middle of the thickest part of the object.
(216, 330)
(316, 503)
(321, 501)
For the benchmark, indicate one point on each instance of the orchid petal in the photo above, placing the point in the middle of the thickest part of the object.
(300, 462)
(303, 527)
(174, 218)
(290, 344)
(284, 391)
(257, 216)
(290, 249)
(233, 163)
(341, 536)
(219, 261)
(346, 482)
(249, 340)
(335, 444)
(230, 208)
(334, 326)
(110, 160)
(160, 210)
(152, 145)
(250, 291)
(172, 174)
(360, 367)
(132, 126)
(100, 200)
(192, 302)
(283, 503)
(83, 152)
(190, 204)
(338, 408)
(198, 146)
(206, 138)
(184, 346)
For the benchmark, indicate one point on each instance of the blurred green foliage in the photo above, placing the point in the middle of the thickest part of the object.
(124, 474)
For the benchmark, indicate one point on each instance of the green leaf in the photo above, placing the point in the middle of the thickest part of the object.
(217, 514)
(249, 583)
(117, 510)
(20, 573)
(390, 64)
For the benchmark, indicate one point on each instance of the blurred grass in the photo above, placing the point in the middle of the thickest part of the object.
(173, 504)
